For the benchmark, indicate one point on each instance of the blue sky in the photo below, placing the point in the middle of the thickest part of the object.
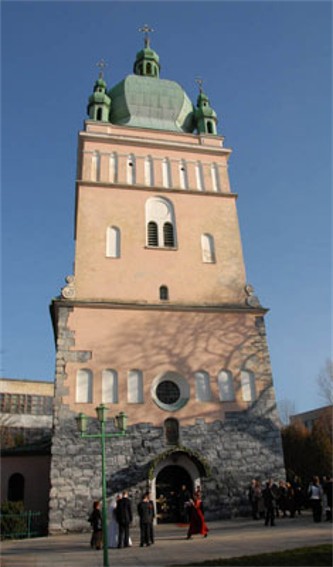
(267, 68)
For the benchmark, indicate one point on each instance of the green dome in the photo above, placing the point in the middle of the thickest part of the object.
(147, 102)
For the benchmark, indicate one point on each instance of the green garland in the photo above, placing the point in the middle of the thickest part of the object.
(179, 448)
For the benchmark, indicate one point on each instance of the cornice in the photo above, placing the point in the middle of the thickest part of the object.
(58, 303)
(133, 141)
(154, 189)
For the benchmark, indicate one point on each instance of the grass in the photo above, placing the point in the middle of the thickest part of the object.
(318, 555)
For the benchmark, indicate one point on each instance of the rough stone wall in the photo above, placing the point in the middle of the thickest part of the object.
(237, 450)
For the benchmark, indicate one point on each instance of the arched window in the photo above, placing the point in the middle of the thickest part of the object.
(109, 386)
(225, 386)
(131, 173)
(183, 181)
(149, 171)
(210, 128)
(135, 387)
(199, 176)
(207, 248)
(160, 223)
(113, 242)
(84, 386)
(164, 292)
(152, 234)
(166, 173)
(16, 488)
(113, 168)
(171, 429)
(99, 114)
(148, 68)
(202, 386)
(168, 235)
(248, 386)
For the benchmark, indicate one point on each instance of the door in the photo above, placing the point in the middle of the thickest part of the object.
(168, 486)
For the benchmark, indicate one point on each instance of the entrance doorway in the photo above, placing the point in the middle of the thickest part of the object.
(168, 484)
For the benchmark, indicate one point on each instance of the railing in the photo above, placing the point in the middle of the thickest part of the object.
(25, 525)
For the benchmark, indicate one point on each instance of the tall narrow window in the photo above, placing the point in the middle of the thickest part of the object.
(164, 292)
(248, 386)
(84, 386)
(183, 175)
(199, 176)
(207, 248)
(95, 166)
(166, 173)
(112, 242)
(109, 386)
(225, 386)
(168, 235)
(135, 387)
(149, 171)
(215, 178)
(152, 234)
(131, 173)
(202, 386)
(99, 114)
(113, 168)
(160, 223)
(171, 429)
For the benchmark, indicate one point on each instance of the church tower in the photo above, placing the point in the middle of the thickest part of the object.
(158, 319)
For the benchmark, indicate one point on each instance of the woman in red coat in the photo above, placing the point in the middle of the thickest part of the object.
(197, 520)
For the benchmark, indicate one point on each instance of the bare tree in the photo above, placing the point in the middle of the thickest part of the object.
(325, 382)
(286, 409)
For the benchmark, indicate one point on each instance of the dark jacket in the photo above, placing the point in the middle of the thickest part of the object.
(146, 512)
(95, 520)
(124, 511)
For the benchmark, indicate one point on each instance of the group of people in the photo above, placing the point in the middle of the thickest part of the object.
(273, 499)
(120, 517)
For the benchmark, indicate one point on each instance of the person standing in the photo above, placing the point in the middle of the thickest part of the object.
(151, 520)
(184, 498)
(269, 503)
(315, 493)
(144, 511)
(197, 520)
(113, 524)
(124, 519)
(95, 520)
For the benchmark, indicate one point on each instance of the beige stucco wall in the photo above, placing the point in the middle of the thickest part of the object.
(36, 472)
(31, 387)
(140, 271)
(156, 342)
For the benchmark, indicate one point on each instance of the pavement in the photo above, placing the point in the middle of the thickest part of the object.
(227, 538)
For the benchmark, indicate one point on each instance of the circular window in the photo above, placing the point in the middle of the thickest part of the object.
(170, 391)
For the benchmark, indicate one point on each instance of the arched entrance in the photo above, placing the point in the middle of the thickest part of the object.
(168, 485)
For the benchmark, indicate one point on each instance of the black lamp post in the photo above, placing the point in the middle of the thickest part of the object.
(121, 424)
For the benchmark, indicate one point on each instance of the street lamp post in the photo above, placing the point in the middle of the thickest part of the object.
(120, 422)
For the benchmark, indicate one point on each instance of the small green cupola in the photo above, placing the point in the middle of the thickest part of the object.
(205, 116)
(99, 102)
(147, 63)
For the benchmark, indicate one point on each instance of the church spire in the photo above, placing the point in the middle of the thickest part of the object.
(147, 61)
(205, 116)
(99, 102)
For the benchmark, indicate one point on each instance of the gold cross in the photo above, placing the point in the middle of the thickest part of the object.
(199, 82)
(146, 29)
(101, 64)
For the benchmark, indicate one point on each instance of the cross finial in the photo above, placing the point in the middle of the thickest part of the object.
(146, 29)
(199, 82)
(101, 64)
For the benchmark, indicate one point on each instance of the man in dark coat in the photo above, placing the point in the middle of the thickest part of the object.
(124, 519)
(146, 515)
